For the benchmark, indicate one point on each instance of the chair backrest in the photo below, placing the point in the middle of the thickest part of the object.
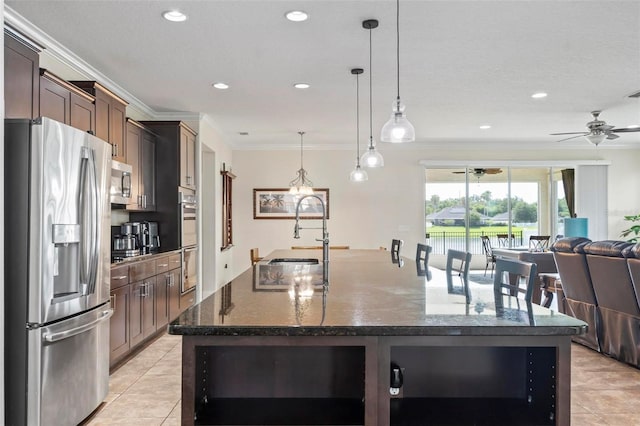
(422, 254)
(458, 263)
(486, 246)
(396, 245)
(503, 239)
(255, 256)
(539, 242)
(514, 278)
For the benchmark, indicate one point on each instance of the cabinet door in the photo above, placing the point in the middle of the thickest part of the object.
(117, 125)
(162, 300)
(191, 160)
(82, 114)
(54, 101)
(119, 342)
(148, 171)
(136, 316)
(184, 167)
(174, 293)
(149, 315)
(21, 80)
(133, 158)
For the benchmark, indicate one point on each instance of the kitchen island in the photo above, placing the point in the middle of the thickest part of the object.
(274, 347)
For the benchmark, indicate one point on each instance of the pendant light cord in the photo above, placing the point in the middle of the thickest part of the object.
(398, 45)
(370, 94)
(357, 120)
(301, 164)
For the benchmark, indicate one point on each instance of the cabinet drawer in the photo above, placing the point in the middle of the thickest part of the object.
(119, 276)
(162, 265)
(175, 261)
(141, 270)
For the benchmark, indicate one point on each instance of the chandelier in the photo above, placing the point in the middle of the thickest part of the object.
(301, 185)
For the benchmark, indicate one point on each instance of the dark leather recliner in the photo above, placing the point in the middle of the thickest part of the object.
(616, 298)
(581, 301)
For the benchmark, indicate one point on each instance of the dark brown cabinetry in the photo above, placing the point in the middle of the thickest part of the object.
(110, 117)
(145, 297)
(141, 155)
(66, 103)
(21, 77)
(176, 151)
(119, 340)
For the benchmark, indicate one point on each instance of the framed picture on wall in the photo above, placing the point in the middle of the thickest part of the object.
(278, 203)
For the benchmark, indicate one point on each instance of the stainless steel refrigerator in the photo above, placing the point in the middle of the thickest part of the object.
(57, 222)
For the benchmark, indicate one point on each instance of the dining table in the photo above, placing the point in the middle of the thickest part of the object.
(545, 268)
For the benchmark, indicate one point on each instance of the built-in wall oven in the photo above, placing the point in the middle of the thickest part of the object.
(189, 268)
(188, 222)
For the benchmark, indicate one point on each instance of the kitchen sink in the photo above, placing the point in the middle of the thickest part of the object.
(293, 261)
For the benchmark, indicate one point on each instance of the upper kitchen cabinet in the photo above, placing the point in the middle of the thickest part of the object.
(21, 77)
(176, 151)
(141, 155)
(111, 117)
(66, 103)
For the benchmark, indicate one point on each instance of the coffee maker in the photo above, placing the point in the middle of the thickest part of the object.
(125, 241)
(153, 236)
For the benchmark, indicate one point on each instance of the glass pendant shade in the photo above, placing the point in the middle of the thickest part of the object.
(398, 129)
(372, 158)
(596, 139)
(358, 175)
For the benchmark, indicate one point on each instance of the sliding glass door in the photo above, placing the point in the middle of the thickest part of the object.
(505, 204)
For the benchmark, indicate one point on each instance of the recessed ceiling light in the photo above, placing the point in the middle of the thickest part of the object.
(301, 85)
(220, 85)
(297, 16)
(174, 16)
(539, 95)
(485, 127)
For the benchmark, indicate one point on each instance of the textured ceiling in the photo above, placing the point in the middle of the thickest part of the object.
(463, 64)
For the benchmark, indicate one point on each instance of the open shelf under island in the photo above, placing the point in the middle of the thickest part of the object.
(273, 347)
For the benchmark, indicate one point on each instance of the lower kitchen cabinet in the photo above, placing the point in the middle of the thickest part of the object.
(145, 297)
(143, 313)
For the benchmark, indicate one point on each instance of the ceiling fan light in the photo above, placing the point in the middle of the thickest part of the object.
(398, 129)
(596, 139)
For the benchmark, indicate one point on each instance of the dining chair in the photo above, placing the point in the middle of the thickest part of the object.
(255, 256)
(514, 278)
(503, 240)
(396, 245)
(458, 263)
(422, 258)
(513, 282)
(539, 242)
(490, 258)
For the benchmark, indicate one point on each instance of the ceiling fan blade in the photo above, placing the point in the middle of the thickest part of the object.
(612, 136)
(569, 133)
(572, 137)
(492, 171)
(626, 130)
(605, 127)
(459, 173)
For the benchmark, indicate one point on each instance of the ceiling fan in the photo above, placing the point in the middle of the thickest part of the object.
(479, 172)
(598, 131)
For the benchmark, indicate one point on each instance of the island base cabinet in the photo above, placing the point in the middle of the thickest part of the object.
(270, 384)
(330, 380)
(474, 386)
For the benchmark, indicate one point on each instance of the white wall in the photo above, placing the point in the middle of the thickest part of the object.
(391, 203)
(215, 266)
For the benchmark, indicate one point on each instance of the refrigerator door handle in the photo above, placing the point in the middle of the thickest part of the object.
(89, 214)
(55, 337)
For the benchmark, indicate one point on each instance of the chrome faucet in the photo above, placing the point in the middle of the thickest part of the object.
(325, 236)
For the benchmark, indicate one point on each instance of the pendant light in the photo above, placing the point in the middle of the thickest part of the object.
(371, 158)
(398, 129)
(358, 175)
(301, 185)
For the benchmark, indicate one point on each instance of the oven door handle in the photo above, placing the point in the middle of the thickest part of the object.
(55, 337)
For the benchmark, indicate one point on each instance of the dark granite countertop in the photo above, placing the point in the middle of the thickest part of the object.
(368, 295)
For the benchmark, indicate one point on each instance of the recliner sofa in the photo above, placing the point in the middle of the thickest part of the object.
(600, 280)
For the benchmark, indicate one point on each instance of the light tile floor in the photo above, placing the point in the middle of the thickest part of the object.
(146, 390)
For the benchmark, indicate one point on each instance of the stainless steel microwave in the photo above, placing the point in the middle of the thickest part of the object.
(120, 182)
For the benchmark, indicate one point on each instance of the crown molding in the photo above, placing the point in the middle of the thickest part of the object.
(17, 22)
